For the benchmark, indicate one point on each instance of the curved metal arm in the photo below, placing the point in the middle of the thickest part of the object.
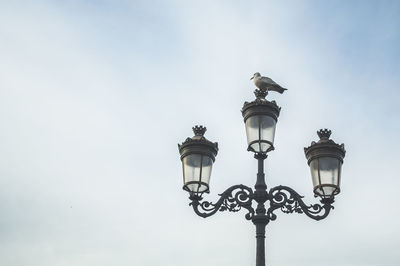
(289, 201)
(232, 199)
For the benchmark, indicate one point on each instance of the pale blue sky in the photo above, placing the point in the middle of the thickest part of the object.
(95, 96)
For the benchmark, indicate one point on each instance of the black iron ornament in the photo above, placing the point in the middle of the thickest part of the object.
(325, 158)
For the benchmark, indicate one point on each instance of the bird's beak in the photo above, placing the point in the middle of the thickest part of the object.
(252, 77)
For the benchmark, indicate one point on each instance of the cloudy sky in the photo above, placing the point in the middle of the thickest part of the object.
(95, 96)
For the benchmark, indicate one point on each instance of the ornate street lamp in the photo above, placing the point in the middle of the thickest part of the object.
(324, 157)
(260, 117)
(197, 156)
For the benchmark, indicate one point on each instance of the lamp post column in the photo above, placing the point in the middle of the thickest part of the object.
(260, 220)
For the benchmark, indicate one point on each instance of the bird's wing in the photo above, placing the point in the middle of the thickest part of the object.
(277, 88)
(272, 85)
(268, 80)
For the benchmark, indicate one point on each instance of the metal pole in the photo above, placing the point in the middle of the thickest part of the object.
(260, 250)
(260, 220)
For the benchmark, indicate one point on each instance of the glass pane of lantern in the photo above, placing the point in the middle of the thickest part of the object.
(327, 190)
(259, 128)
(329, 170)
(267, 131)
(191, 170)
(197, 169)
(193, 187)
(328, 174)
(256, 147)
(206, 172)
(314, 172)
(252, 131)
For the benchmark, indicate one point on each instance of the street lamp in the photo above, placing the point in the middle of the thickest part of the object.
(324, 157)
(197, 155)
(260, 117)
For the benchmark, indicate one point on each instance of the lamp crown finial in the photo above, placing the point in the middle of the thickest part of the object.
(324, 134)
(199, 130)
(260, 94)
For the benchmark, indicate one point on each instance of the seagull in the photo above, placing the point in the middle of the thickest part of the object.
(266, 84)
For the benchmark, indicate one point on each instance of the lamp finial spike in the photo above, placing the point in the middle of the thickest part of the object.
(199, 130)
(260, 94)
(324, 134)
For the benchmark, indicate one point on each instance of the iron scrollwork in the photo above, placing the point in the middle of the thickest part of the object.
(289, 201)
(281, 197)
(233, 199)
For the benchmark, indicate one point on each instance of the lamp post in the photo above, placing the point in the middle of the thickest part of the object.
(324, 157)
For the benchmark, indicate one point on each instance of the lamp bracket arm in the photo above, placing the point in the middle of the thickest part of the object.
(289, 201)
(233, 199)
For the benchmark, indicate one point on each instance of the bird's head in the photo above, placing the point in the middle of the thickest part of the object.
(256, 75)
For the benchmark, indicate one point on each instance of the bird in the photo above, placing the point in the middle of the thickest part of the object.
(266, 84)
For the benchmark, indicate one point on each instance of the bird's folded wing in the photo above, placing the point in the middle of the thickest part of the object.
(268, 80)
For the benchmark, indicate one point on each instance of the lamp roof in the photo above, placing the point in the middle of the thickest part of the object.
(260, 106)
(324, 147)
(198, 144)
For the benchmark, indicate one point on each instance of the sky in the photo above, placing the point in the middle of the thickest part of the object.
(96, 95)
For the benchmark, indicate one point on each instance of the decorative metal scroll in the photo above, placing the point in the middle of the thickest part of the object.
(281, 197)
(289, 201)
(233, 199)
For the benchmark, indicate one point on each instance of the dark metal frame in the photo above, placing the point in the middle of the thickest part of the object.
(280, 197)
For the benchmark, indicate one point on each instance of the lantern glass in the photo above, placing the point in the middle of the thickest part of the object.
(325, 172)
(260, 131)
(196, 172)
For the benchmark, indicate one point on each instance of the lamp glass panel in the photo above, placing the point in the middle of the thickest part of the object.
(325, 171)
(329, 170)
(197, 169)
(260, 128)
(327, 190)
(191, 170)
(267, 131)
(252, 130)
(314, 172)
(206, 172)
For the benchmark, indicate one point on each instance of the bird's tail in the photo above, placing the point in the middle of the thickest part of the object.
(282, 90)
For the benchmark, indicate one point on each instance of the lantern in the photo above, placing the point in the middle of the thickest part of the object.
(197, 156)
(260, 117)
(325, 159)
